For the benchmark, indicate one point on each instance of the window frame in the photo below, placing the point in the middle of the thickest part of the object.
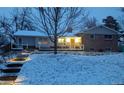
(92, 36)
(108, 49)
(108, 37)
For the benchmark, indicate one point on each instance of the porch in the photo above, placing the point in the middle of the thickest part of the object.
(72, 43)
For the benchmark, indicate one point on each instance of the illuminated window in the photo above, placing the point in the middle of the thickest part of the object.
(67, 39)
(77, 40)
(60, 40)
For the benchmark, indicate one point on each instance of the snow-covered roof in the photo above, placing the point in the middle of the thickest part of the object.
(101, 29)
(29, 33)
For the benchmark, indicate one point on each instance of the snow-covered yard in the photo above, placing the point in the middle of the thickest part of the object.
(73, 69)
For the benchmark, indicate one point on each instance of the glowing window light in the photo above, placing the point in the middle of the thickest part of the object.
(67, 39)
(60, 40)
(77, 40)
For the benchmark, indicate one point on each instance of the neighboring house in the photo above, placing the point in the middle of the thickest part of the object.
(32, 39)
(121, 41)
(99, 38)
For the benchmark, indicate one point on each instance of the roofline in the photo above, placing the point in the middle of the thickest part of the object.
(69, 36)
(95, 27)
(111, 29)
(29, 32)
(30, 36)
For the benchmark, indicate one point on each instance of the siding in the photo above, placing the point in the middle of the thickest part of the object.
(34, 41)
(26, 40)
(100, 30)
(99, 43)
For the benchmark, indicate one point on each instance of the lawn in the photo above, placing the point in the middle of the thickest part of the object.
(68, 69)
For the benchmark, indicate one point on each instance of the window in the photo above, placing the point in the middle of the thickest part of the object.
(43, 41)
(60, 40)
(20, 41)
(92, 36)
(91, 49)
(107, 49)
(100, 50)
(108, 36)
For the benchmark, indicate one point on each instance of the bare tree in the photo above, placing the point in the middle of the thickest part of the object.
(15, 18)
(56, 21)
(90, 22)
(5, 25)
(121, 18)
(6, 32)
(122, 9)
(21, 19)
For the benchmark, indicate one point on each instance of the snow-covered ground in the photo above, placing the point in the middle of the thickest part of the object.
(73, 69)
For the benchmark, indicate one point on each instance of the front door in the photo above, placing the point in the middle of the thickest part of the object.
(72, 43)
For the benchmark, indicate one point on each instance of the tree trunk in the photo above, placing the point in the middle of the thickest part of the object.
(55, 34)
(55, 39)
(55, 45)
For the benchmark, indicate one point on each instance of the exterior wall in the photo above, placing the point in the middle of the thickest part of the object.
(30, 41)
(100, 30)
(35, 42)
(99, 43)
(70, 42)
(43, 42)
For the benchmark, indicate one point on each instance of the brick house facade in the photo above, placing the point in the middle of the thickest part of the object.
(99, 39)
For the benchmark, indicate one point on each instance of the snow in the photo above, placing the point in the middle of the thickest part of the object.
(73, 69)
(29, 33)
(99, 30)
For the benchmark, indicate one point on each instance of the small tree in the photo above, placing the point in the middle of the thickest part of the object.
(55, 21)
(111, 23)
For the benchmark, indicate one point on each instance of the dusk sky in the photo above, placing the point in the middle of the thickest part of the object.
(101, 13)
(98, 12)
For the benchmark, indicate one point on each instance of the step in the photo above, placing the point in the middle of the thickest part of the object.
(11, 70)
(7, 82)
(14, 65)
(8, 78)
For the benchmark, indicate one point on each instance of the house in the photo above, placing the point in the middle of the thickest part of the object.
(70, 42)
(121, 41)
(121, 38)
(35, 39)
(99, 38)
(32, 39)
